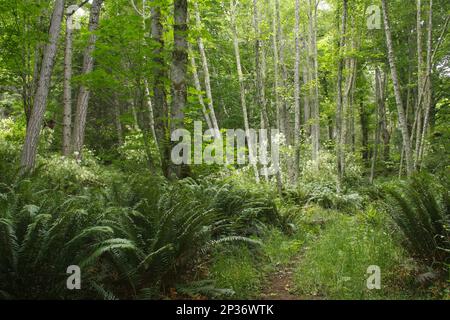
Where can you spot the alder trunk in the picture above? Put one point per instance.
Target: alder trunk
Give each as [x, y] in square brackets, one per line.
[34, 127]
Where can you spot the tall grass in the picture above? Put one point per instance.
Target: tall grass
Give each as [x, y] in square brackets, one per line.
[335, 266]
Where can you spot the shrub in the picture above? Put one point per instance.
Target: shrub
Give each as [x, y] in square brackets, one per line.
[133, 236]
[421, 209]
[246, 208]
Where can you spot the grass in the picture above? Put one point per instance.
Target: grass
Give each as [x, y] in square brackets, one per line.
[236, 268]
[280, 248]
[336, 265]
[245, 271]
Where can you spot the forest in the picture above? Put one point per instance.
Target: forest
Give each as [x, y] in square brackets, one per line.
[224, 150]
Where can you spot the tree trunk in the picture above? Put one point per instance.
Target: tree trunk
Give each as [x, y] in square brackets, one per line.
[67, 113]
[198, 87]
[400, 109]
[159, 74]
[297, 93]
[252, 155]
[378, 101]
[346, 105]
[84, 92]
[281, 114]
[117, 121]
[339, 110]
[383, 116]
[260, 89]
[306, 97]
[40, 100]
[315, 113]
[284, 76]
[364, 133]
[151, 113]
[207, 77]
[179, 73]
[278, 105]
[418, 117]
[428, 89]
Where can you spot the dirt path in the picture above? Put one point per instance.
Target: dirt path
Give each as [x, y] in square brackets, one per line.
[281, 284]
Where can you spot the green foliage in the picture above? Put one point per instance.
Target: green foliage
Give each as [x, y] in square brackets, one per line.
[280, 248]
[132, 235]
[235, 268]
[138, 235]
[204, 288]
[421, 209]
[335, 266]
[248, 208]
[318, 185]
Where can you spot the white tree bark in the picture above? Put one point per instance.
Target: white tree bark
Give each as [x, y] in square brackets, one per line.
[306, 96]
[315, 114]
[297, 123]
[198, 87]
[339, 109]
[252, 155]
[428, 88]
[259, 64]
[276, 75]
[397, 92]
[418, 110]
[207, 76]
[284, 74]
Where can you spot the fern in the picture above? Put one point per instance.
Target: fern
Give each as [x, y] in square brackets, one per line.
[419, 209]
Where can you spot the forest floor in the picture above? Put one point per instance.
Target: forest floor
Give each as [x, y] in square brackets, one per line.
[281, 286]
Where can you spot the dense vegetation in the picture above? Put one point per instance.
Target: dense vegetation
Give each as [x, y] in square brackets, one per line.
[358, 91]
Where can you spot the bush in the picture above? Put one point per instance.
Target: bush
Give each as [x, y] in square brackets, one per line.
[133, 236]
[248, 208]
[421, 209]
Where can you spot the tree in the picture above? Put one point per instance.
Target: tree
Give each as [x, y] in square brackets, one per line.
[84, 92]
[67, 113]
[297, 92]
[252, 155]
[340, 155]
[259, 67]
[428, 89]
[315, 112]
[281, 121]
[397, 92]
[420, 71]
[198, 87]
[40, 100]
[159, 74]
[201, 48]
[179, 71]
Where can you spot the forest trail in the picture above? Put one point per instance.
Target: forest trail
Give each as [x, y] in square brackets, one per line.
[280, 285]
